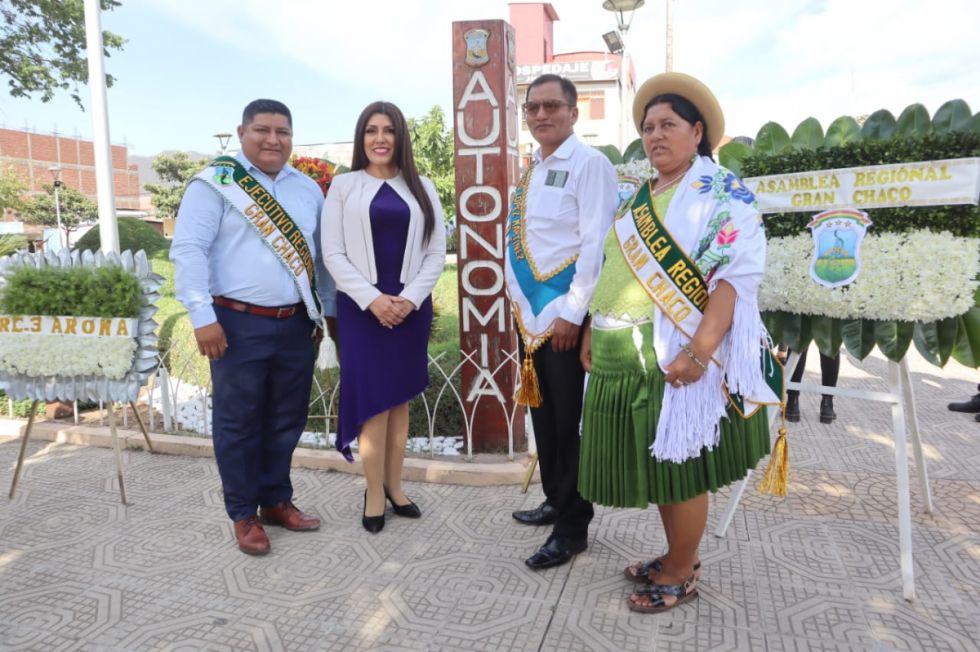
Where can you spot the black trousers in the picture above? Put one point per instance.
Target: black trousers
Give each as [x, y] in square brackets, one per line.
[556, 434]
[829, 371]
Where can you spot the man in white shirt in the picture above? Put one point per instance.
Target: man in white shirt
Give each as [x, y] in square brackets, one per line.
[568, 201]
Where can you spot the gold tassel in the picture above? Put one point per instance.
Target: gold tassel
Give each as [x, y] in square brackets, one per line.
[529, 394]
[776, 478]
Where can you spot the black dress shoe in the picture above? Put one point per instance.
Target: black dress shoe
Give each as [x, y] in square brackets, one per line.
[372, 524]
[555, 553]
[827, 414]
[973, 405]
[543, 514]
[977, 418]
[793, 407]
[411, 510]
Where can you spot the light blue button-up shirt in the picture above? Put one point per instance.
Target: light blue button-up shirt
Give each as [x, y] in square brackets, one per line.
[215, 252]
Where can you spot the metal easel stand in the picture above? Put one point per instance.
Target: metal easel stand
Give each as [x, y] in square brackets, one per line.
[23, 447]
[530, 472]
[115, 446]
[533, 462]
[902, 401]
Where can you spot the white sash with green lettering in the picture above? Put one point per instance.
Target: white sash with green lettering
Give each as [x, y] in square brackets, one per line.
[259, 208]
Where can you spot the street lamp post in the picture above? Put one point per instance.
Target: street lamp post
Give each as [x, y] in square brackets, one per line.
[222, 142]
[624, 10]
[56, 175]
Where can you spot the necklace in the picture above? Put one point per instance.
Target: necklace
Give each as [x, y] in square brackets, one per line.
[663, 187]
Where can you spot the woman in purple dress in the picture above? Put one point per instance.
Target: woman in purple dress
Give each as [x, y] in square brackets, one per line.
[384, 244]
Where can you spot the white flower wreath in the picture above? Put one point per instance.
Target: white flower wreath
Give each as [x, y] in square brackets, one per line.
[37, 355]
[49, 367]
[917, 276]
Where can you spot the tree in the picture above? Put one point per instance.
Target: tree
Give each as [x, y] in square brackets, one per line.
[12, 189]
[175, 170]
[75, 209]
[432, 146]
[42, 45]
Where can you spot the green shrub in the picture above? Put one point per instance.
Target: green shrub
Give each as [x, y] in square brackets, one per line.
[961, 220]
[11, 243]
[448, 418]
[134, 234]
[174, 328]
[75, 291]
[21, 409]
[952, 133]
[324, 382]
[445, 313]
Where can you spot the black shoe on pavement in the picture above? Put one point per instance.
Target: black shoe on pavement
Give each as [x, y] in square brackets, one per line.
[973, 405]
[977, 418]
[543, 514]
[372, 524]
[555, 553]
[827, 414]
[793, 407]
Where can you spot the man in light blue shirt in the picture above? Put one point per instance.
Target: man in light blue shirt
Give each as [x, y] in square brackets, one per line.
[251, 322]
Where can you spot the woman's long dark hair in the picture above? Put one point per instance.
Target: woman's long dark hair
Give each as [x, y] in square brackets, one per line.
[686, 110]
[403, 157]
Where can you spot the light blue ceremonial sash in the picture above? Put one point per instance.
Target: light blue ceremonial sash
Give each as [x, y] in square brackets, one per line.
[533, 293]
[538, 292]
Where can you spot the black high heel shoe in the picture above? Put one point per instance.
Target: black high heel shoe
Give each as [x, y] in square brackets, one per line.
[372, 524]
[411, 510]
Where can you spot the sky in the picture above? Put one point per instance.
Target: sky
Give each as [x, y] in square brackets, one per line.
[189, 66]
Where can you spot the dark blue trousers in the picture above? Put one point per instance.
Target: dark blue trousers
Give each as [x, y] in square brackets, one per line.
[261, 395]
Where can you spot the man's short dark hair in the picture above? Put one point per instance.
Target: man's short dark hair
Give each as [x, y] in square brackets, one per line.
[567, 87]
[265, 106]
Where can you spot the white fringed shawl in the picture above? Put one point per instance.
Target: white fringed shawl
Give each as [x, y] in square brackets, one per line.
[712, 217]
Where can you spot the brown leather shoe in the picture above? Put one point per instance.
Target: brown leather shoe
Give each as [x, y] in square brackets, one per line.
[288, 516]
[251, 536]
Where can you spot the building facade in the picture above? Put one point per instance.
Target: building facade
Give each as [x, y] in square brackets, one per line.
[32, 154]
[605, 87]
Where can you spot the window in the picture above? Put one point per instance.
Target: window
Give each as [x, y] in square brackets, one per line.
[592, 105]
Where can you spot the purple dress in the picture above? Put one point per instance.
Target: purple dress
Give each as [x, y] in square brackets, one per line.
[381, 368]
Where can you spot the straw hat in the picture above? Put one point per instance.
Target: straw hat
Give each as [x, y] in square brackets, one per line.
[689, 88]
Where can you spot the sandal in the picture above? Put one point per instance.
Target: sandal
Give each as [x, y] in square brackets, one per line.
[657, 592]
[639, 572]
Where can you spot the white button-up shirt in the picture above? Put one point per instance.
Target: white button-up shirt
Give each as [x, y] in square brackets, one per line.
[571, 201]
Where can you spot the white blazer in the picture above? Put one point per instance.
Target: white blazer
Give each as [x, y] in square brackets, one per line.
[348, 247]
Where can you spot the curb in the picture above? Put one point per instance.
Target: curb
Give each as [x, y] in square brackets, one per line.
[484, 470]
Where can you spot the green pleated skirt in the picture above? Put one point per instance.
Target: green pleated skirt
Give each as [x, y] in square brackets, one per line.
[619, 423]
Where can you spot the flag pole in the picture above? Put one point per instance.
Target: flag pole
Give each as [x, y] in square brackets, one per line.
[108, 228]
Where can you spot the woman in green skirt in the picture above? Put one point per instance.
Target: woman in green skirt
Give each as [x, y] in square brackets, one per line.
[676, 349]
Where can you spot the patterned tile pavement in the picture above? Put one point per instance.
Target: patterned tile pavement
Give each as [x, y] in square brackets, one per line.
[817, 570]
